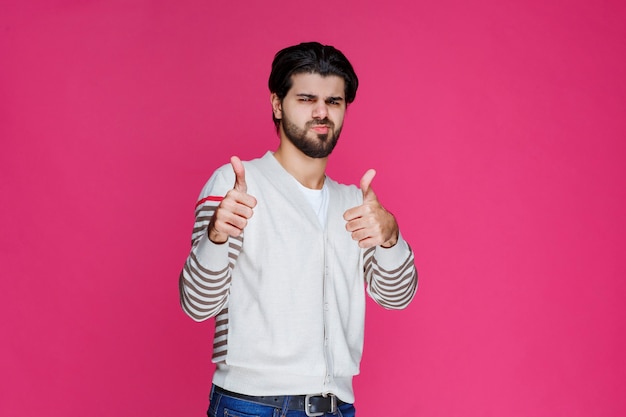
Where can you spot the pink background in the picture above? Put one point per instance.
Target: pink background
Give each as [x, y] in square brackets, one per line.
[498, 131]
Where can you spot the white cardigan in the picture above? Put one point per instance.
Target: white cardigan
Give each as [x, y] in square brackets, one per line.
[288, 296]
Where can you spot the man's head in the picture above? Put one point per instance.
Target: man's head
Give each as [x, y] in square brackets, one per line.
[325, 81]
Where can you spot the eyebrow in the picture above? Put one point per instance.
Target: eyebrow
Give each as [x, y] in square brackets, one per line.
[313, 96]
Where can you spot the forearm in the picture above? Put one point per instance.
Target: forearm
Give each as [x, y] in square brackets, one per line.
[391, 275]
[204, 281]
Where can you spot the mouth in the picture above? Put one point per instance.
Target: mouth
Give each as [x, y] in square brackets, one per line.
[321, 129]
[320, 126]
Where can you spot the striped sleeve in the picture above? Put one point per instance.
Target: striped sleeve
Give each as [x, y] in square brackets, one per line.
[390, 275]
[204, 282]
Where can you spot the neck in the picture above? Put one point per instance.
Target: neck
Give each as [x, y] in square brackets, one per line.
[309, 172]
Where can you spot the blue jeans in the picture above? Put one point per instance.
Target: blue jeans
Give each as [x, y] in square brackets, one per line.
[223, 405]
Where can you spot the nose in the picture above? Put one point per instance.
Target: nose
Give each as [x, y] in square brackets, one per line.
[320, 111]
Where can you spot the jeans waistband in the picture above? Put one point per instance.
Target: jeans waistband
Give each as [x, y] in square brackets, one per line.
[313, 405]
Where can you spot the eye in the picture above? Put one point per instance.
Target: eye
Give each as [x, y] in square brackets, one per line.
[306, 98]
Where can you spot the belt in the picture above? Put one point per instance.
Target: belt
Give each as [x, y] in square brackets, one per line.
[312, 405]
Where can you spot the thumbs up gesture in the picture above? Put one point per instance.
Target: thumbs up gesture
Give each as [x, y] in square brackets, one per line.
[233, 212]
[369, 223]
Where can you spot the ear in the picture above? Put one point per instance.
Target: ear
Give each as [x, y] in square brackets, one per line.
[277, 106]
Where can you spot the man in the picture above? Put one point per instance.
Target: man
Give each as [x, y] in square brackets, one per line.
[281, 255]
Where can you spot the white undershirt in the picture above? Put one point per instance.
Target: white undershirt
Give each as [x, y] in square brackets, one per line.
[318, 199]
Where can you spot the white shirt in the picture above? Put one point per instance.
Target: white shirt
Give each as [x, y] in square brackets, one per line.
[318, 199]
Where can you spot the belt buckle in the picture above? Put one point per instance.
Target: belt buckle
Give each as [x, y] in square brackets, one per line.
[307, 405]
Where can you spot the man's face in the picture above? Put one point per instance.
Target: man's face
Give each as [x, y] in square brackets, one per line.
[312, 113]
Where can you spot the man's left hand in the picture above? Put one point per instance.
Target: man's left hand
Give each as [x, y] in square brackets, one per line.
[369, 223]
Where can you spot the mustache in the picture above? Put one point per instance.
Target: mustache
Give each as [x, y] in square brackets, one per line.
[322, 122]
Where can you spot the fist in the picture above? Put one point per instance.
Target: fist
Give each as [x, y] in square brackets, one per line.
[235, 209]
[370, 224]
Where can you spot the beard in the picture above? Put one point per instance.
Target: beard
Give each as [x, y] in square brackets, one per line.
[318, 146]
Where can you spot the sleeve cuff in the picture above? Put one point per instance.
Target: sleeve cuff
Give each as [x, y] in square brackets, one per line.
[211, 255]
[391, 258]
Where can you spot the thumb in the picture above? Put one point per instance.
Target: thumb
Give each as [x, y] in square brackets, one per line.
[240, 174]
[366, 181]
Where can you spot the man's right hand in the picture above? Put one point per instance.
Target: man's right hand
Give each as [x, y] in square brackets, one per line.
[233, 212]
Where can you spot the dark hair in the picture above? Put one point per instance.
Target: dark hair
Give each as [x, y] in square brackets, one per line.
[314, 58]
